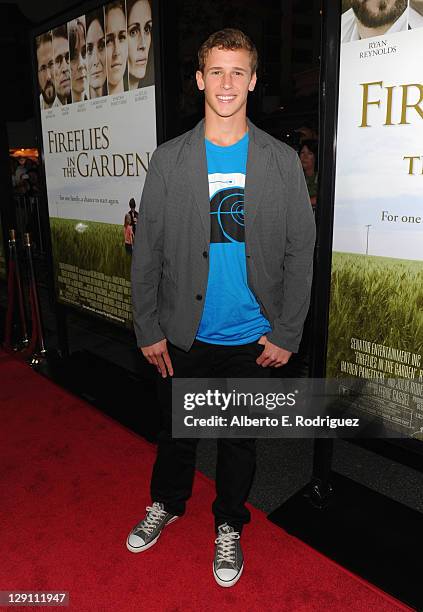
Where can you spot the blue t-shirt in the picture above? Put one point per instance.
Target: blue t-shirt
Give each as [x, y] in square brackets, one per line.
[231, 312]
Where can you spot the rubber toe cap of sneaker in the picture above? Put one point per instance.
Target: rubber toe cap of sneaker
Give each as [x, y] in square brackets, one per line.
[135, 541]
[226, 574]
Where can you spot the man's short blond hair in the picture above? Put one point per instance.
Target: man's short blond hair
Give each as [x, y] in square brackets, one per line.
[229, 39]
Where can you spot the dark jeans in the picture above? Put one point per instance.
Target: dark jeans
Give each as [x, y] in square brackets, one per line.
[173, 472]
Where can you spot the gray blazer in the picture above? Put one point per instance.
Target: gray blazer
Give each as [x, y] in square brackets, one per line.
[170, 259]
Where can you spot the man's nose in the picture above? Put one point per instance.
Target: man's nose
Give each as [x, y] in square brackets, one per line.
[227, 81]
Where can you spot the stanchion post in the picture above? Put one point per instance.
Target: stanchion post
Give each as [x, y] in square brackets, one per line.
[18, 284]
[37, 358]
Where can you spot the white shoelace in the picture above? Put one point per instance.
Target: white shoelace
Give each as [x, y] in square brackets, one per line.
[226, 546]
[154, 515]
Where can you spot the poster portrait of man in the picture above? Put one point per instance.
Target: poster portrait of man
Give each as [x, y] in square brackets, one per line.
[369, 18]
[45, 71]
[61, 64]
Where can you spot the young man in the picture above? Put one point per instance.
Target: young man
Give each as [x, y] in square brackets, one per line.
[221, 280]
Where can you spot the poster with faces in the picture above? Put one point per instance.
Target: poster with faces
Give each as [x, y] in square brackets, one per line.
[96, 91]
[375, 319]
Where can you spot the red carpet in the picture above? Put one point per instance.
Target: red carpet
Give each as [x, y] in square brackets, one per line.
[74, 482]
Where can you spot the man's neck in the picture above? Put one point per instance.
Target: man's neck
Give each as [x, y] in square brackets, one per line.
[224, 131]
[364, 32]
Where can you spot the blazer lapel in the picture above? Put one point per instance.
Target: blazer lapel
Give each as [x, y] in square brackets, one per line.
[197, 175]
[257, 171]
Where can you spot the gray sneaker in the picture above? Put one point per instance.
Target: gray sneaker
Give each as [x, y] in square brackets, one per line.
[228, 558]
[147, 532]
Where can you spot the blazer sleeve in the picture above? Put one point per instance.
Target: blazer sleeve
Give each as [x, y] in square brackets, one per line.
[147, 257]
[298, 262]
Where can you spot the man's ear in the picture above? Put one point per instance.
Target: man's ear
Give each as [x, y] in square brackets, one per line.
[200, 81]
[252, 82]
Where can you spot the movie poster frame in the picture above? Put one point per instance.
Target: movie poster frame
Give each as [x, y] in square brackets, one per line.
[62, 309]
[406, 451]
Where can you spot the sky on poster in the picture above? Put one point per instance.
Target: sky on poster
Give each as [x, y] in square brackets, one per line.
[371, 174]
[131, 129]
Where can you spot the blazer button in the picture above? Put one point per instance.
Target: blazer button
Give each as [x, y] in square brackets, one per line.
[205, 254]
[199, 297]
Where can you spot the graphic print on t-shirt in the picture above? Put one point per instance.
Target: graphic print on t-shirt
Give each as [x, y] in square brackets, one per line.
[231, 314]
[227, 207]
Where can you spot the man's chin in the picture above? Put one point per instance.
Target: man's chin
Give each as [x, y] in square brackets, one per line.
[370, 19]
[64, 98]
[223, 111]
[48, 99]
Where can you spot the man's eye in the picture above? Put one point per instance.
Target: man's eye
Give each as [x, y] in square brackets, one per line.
[90, 49]
[122, 36]
[134, 31]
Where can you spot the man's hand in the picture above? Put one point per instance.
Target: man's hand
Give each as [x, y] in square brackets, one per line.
[272, 356]
[157, 354]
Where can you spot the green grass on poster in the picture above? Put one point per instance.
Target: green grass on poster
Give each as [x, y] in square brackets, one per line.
[379, 299]
[98, 247]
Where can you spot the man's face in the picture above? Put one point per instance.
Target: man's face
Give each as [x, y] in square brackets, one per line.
[378, 13]
[46, 72]
[61, 67]
[226, 81]
[116, 45]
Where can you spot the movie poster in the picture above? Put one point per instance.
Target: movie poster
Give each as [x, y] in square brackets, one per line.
[376, 305]
[98, 118]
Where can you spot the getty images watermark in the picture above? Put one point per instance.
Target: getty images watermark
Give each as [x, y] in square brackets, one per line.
[295, 408]
[253, 401]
